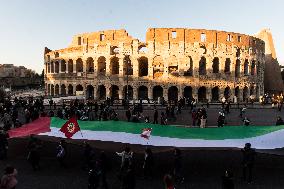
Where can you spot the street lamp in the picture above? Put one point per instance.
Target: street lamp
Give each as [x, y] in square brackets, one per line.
[127, 62]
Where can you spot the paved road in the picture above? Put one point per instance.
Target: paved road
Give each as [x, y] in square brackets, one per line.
[202, 168]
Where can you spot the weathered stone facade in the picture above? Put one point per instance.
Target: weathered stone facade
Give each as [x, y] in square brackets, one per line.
[173, 62]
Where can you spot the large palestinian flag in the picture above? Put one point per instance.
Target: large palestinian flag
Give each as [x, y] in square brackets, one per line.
[261, 137]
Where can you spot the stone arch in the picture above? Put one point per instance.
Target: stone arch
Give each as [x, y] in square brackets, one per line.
[246, 66]
[114, 92]
[48, 89]
[70, 89]
[189, 70]
[173, 94]
[56, 90]
[237, 68]
[101, 93]
[90, 65]
[227, 92]
[237, 92]
[215, 65]
[157, 92]
[245, 93]
[130, 92]
[70, 66]
[227, 68]
[90, 92]
[215, 94]
[52, 67]
[79, 65]
[173, 65]
[127, 66]
[52, 90]
[63, 90]
[142, 49]
[202, 94]
[252, 68]
[101, 65]
[187, 92]
[79, 88]
[63, 65]
[158, 66]
[202, 66]
[143, 66]
[143, 92]
[56, 70]
[114, 66]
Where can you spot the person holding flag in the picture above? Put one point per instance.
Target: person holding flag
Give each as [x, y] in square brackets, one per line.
[70, 127]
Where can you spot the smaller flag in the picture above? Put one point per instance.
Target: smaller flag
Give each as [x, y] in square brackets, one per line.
[70, 127]
[146, 133]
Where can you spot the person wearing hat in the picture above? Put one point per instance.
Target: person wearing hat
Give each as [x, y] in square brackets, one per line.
[248, 162]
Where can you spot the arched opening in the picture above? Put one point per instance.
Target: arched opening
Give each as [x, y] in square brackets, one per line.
[52, 67]
[101, 93]
[189, 71]
[70, 90]
[187, 93]
[102, 65]
[158, 67]
[157, 92]
[56, 90]
[48, 89]
[142, 49]
[215, 94]
[130, 92]
[56, 67]
[143, 93]
[79, 88]
[252, 68]
[52, 90]
[237, 68]
[114, 89]
[63, 65]
[245, 93]
[173, 66]
[246, 64]
[79, 65]
[70, 66]
[127, 66]
[215, 65]
[227, 65]
[202, 66]
[237, 92]
[63, 90]
[227, 92]
[143, 66]
[90, 65]
[252, 91]
[48, 67]
[173, 94]
[114, 66]
[114, 50]
[90, 92]
[202, 94]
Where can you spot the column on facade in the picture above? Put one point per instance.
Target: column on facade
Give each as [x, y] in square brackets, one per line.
[135, 92]
[150, 68]
[180, 91]
[134, 62]
[209, 94]
[108, 66]
[165, 92]
[59, 65]
[240, 98]
[150, 92]
[107, 90]
[84, 66]
[195, 92]
[66, 67]
[221, 94]
[120, 92]
[121, 63]
[74, 66]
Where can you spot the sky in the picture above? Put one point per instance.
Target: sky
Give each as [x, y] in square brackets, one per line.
[27, 26]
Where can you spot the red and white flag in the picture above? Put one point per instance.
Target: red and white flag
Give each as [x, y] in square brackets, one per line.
[146, 133]
[70, 127]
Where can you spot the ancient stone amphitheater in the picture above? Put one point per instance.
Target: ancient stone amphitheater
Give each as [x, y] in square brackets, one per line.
[172, 63]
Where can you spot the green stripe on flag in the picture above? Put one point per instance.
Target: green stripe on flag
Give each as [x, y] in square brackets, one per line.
[234, 132]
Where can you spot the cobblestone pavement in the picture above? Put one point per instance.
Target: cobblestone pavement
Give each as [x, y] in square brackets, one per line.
[203, 168]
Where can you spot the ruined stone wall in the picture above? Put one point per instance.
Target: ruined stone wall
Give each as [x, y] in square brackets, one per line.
[173, 62]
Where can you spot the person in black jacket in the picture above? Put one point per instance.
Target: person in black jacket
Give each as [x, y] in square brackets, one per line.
[148, 163]
[155, 117]
[3, 144]
[128, 115]
[248, 162]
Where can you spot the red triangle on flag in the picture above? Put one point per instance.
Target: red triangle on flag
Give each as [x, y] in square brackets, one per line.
[146, 133]
[70, 127]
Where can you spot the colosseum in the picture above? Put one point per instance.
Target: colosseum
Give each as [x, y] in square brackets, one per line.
[206, 65]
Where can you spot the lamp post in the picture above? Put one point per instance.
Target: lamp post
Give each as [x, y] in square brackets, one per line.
[127, 62]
